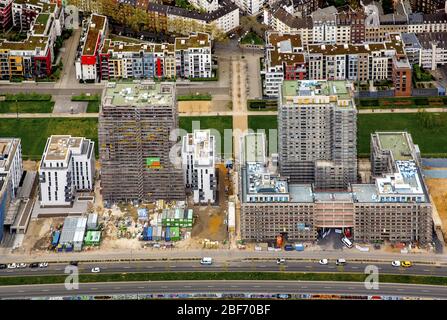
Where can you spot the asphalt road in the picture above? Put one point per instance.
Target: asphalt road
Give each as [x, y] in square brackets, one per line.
[233, 266]
[268, 287]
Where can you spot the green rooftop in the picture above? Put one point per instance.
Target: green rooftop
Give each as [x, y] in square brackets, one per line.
[316, 88]
[397, 143]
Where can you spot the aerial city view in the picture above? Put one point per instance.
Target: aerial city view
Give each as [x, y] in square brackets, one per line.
[223, 150]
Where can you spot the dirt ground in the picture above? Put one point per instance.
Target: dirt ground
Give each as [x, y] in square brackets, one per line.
[210, 220]
[29, 165]
[194, 106]
[438, 191]
[38, 236]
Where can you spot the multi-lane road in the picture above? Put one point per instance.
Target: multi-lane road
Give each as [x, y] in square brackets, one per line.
[230, 266]
[266, 287]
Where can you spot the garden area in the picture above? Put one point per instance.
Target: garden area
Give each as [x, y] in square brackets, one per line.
[262, 105]
[252, 38]
[35, 131]
[26, 103]
[421, 75]
[195, 97]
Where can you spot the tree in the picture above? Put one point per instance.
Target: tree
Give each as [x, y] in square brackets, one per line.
[387, 6]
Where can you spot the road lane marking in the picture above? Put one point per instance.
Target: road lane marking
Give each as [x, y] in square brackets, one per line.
[309, 267]
[426, 270]
[210, 286]
[280, 286]
[354, 267]
[256, 286]
[303, 287]
[425, 290]
[126, 267]
[45, 290]
[351, 288]
[186, 286]
[140, 287]
[235, 286]
[327, 287]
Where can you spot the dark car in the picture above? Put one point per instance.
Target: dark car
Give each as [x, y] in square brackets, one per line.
[34, 265]
[288, 247]
[3, 266]
[73, 263]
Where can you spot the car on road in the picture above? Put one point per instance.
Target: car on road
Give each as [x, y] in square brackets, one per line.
[34, 265]
[43, 264]
[12, 266]
[340, 262]
[280, 261]
[406, 264]
[73, 263]
[21, 265]
[395, 263]
[206, 261]
[323, 261]
[3, 266]
[96, 270]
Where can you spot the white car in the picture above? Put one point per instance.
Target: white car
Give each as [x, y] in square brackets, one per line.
[96, 270]
[280, 261]
[21, 265]
[323, 261]
[12, 266]
[43, 264]
[206, 261]
[395, 263]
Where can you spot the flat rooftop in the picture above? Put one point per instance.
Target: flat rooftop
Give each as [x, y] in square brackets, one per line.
[139, 94]
[59, 146]
[204, 148]
[260, 180]
[301, 193]
[8, 148]
[312, 88]
[397, 143]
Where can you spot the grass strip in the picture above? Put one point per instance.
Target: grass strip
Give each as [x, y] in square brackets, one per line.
[195, 276]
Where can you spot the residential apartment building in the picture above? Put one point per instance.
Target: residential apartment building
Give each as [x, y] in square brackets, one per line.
[5, 15]
[174, 19]
[33, 57]
[317, 133]
[92, 38]
[198, 161]
[284, 60]
[433, 49]
[135, 142]
[188, 57]
[67, 166]
[207, 5]
[251, 7]
[427, 6]
[394, 208]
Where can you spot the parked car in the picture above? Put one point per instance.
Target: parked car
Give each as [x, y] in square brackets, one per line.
[43, 264]
[34, 265]
[73, 263]
[12, 266]
[346, 242]
[280, 261]
[406, 264]
[22, 265]
[3, 266]
[340, 262]
[288, 247]
[323, 261]
[395, 263]
[96, 270]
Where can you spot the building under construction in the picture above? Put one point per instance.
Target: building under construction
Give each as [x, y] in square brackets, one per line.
[135, 126]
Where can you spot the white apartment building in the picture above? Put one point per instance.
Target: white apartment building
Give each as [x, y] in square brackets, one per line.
[11, 161]
[251, 7]
[207, 5]
[325, 25]
[67, 166]
[198, 159]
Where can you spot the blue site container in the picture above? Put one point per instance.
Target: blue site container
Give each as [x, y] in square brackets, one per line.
[56, 236]
[299, 247]
[145, 233]
[168, 234]
[149, 234]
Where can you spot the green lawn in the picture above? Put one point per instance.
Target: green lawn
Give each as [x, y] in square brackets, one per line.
[218, 123]
[26, 106]
[194, 276]
[93, 102]
[34, 132]
[431, 141]
[195, 97]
